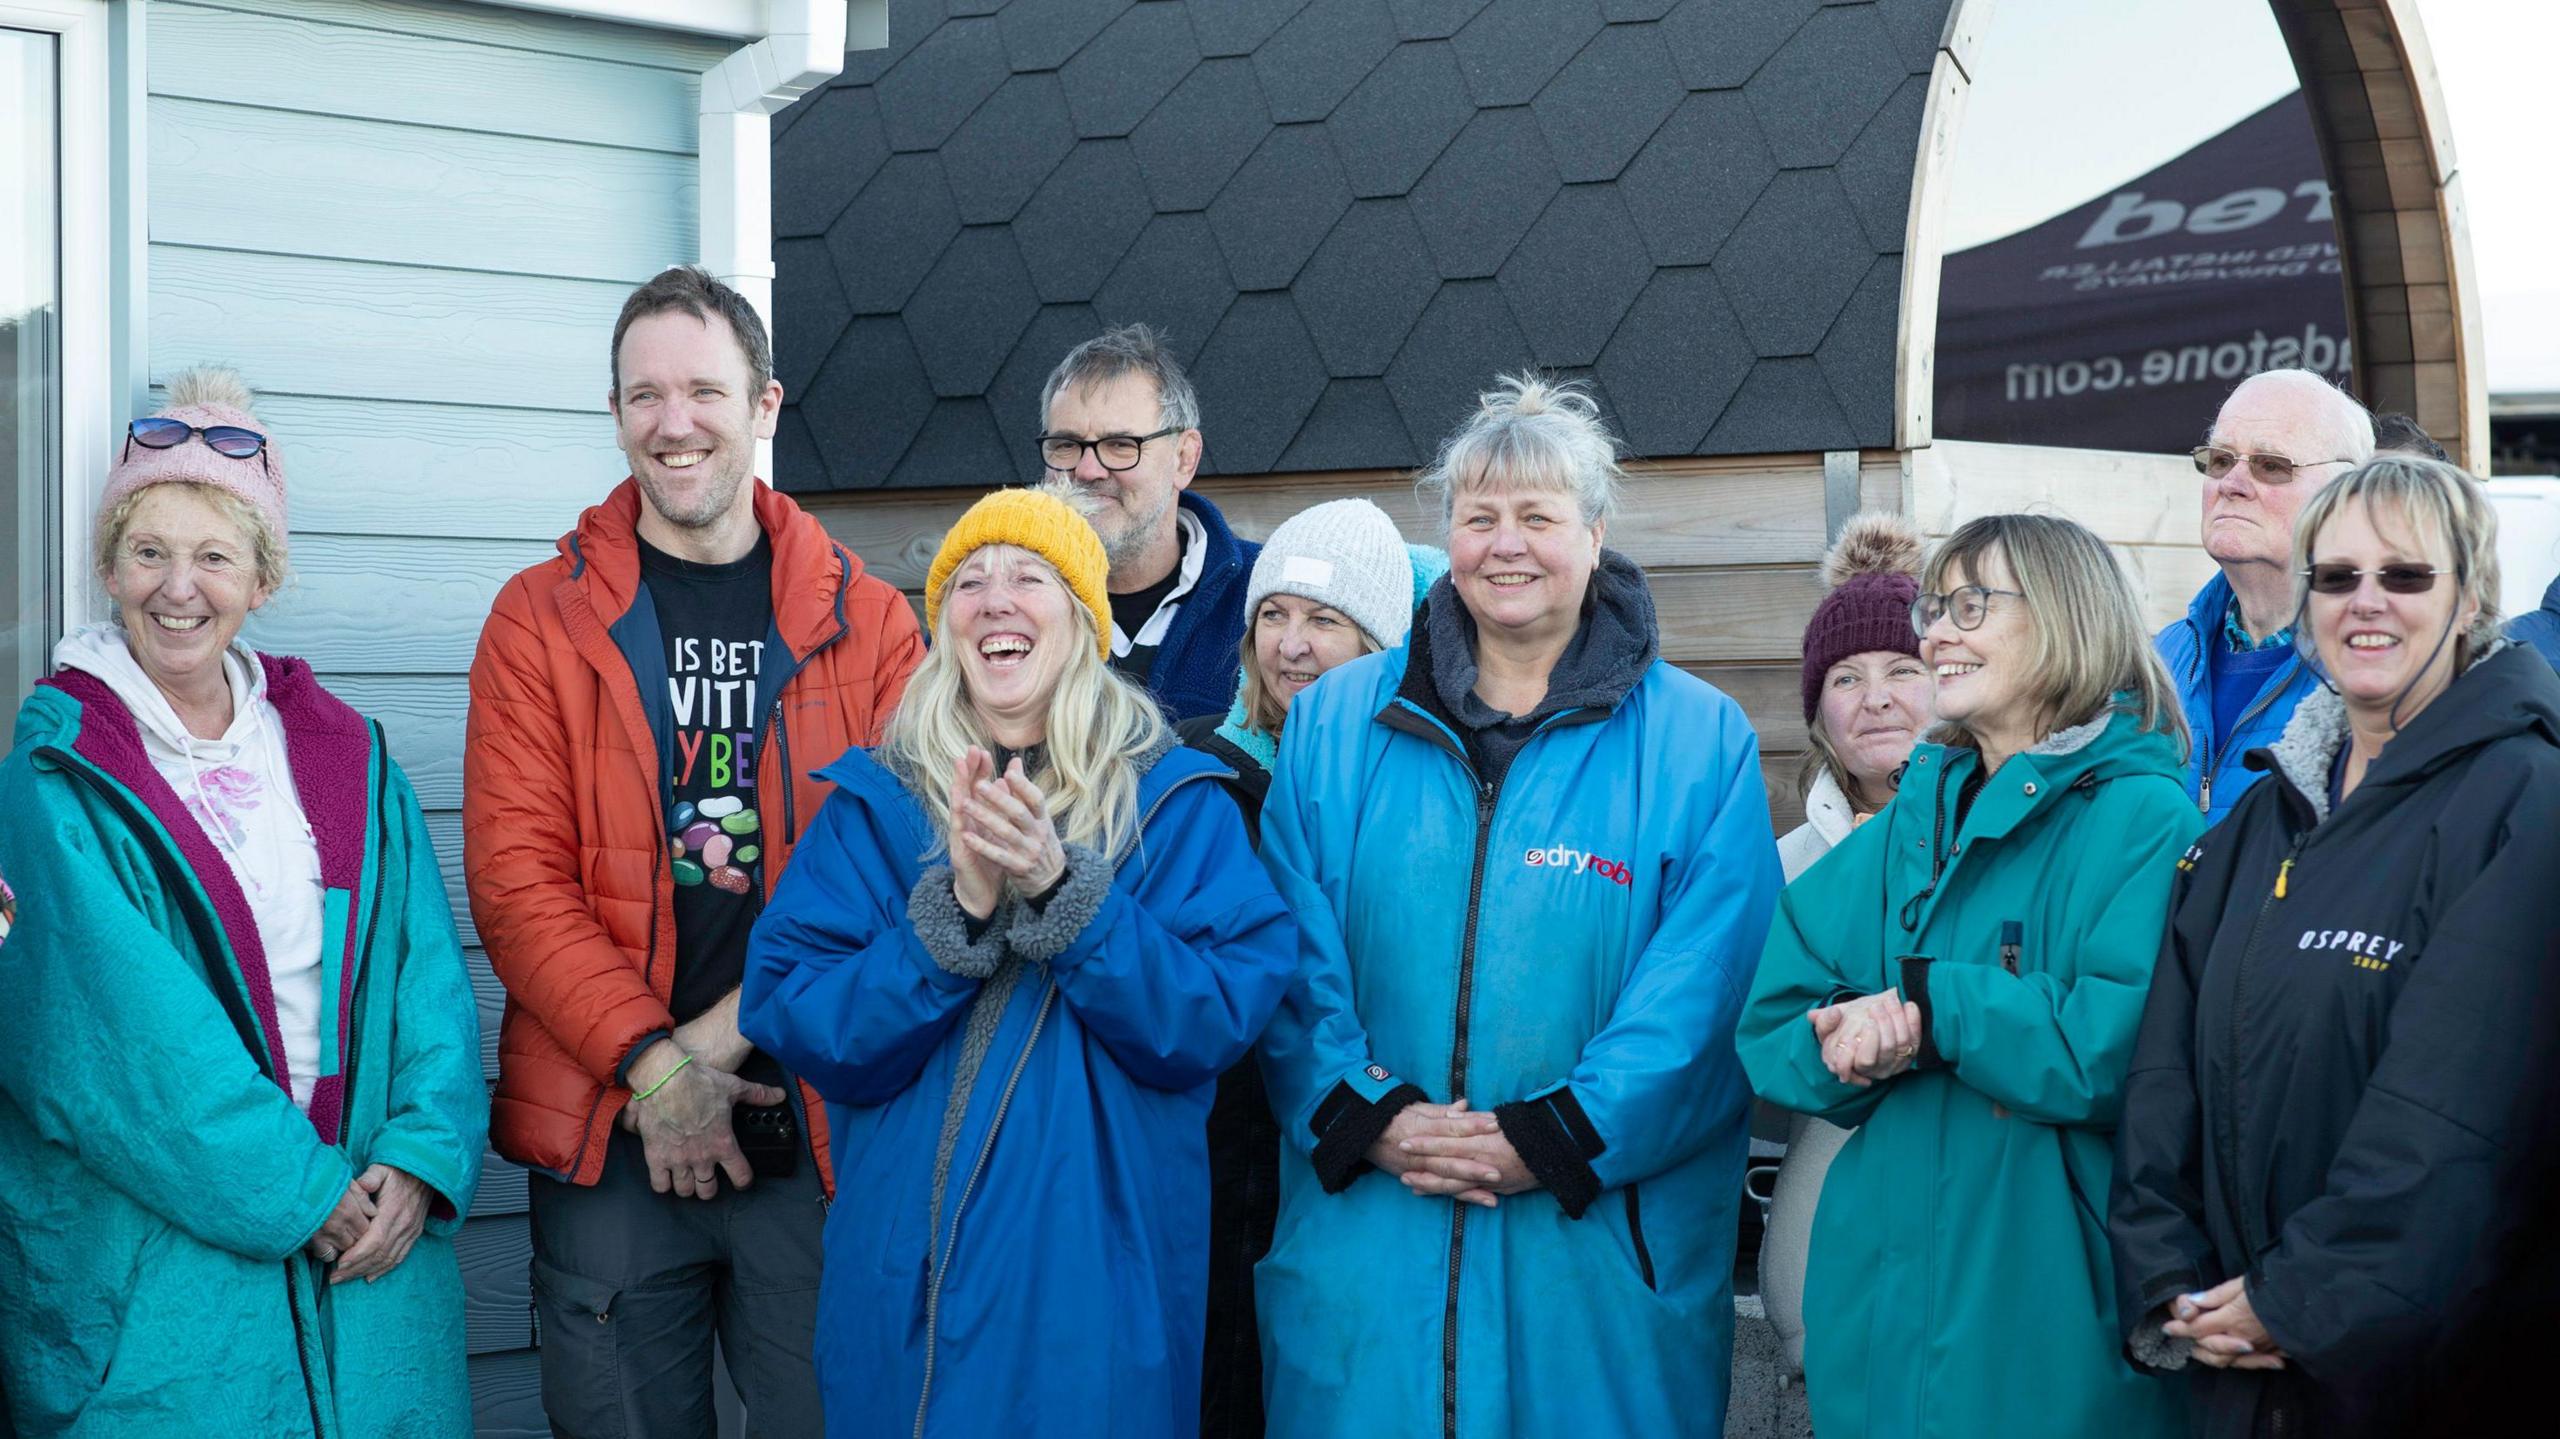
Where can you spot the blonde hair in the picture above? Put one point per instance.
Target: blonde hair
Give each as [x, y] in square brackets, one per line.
[266, 548]
[2427, 495]
[1263, 710]
[1529, 433]
[2089, 643]
[1099, 724]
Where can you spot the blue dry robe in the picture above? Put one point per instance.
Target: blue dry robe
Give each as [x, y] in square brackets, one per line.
[1577, 947]
[1062, 1198]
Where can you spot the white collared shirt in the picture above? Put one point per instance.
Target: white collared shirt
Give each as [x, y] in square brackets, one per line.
[1195, 558]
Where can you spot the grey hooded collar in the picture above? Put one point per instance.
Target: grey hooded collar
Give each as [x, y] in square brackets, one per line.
[2075, 738]
[2309, 746]
[2070, 740]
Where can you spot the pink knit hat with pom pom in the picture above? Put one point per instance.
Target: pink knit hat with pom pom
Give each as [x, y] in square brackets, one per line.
[203, 397]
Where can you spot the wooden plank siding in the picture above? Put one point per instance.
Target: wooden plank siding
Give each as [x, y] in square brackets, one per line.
[2149, 507]
[1731, 546]
[410, 225]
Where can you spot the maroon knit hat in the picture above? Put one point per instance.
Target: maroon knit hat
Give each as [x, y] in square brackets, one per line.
[1874, 574]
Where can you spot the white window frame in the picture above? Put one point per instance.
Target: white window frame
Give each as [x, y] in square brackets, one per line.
[88, 400]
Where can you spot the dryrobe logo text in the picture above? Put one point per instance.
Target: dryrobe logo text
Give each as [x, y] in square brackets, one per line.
[1556, 856]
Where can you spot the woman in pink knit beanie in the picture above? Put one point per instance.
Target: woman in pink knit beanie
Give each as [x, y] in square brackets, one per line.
[243, 1103]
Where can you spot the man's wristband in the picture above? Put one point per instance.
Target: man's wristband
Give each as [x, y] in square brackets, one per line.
[662, 1079]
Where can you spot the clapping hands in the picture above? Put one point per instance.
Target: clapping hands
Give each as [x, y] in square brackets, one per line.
[1000, 831]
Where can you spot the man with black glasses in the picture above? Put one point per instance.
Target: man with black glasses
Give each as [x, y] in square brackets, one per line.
[2281, 436]
[1120, 439]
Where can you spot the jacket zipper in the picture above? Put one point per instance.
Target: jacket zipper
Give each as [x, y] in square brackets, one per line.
[1635, 1231]
[987, 1147]
[1486, 796]
[2239, 1009]
[175, 875]
[2204, 785]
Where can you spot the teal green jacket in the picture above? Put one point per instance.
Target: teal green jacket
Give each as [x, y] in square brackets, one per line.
[1960, 1282]
[157, 1183]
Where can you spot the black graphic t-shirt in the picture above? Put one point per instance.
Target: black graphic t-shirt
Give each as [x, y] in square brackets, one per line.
[715, 619]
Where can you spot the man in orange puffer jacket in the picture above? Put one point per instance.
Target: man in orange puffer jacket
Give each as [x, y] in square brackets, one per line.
[647, 713]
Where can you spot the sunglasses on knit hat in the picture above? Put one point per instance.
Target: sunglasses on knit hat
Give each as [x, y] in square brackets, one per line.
[163, 433]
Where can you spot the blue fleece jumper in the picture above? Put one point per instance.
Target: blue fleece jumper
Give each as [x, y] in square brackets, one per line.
[2193, 649]
[1196, 667]
[2540, 628]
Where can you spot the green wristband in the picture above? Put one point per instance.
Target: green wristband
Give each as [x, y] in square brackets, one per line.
[662, 1079]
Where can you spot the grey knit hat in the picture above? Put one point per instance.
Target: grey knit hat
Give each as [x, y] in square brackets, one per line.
[1342, 553]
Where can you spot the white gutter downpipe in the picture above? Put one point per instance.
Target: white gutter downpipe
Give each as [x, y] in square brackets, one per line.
[803, 45]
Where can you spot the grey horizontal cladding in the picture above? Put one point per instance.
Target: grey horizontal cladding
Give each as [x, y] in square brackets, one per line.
[518, 29]
[1350, 215]
[367, 331]
[393, 468]
[286, 62]
[359, 604]
[506, 1396]
[410, 195]
[496, 1255]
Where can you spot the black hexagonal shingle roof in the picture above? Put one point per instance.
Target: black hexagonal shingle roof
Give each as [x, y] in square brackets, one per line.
[1349, 215]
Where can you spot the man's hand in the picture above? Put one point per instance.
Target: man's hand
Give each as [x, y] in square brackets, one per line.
[345, 1225]
[684, 1125]
[400, 1215]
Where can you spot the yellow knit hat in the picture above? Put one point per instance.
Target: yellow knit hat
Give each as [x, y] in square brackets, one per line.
[1036, 521]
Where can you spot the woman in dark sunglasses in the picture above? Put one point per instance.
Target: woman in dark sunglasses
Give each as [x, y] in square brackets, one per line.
[2332, 1147]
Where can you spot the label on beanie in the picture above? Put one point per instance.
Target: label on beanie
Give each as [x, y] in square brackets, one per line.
[1301, 570]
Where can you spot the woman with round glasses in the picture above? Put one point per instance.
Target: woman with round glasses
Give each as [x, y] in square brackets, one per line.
[243, 1068]
[1959, 982]
[2331, 1144]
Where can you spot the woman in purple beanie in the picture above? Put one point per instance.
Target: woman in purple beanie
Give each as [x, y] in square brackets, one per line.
[1866, 700]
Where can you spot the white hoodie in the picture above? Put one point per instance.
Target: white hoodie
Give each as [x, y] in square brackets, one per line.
[239, 789]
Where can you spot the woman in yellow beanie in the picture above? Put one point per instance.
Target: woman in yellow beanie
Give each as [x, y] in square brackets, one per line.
[1019, 945]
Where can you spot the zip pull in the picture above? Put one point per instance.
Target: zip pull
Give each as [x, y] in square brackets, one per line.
[2012, 934]
[2283, 871]
[2204, 792]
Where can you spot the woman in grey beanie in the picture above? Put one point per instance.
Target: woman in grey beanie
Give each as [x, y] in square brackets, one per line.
[1334, 582]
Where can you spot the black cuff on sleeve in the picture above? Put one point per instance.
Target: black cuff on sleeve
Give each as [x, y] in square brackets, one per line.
[1555, 1139]
[1043, 933]
[1346, 1125]
[943, 927]
[1915, 988]
[640, 1046]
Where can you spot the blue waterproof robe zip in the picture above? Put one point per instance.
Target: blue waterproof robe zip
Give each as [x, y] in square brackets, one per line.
[2215, 776]
[1047, 1276]
[1577, 943]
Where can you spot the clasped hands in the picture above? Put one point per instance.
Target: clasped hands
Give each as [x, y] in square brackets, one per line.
[375, 1224]
[1866, 1039]
[1000, 832]
[1448, 1151]
[2224, 1328]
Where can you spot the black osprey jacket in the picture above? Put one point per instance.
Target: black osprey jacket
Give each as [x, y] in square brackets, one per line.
[2341, 1087]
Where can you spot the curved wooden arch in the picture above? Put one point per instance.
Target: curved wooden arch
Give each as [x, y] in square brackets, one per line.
[2387, 145]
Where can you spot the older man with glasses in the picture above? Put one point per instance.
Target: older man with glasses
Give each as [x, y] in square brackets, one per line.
[2281, 436]
[1120, 440]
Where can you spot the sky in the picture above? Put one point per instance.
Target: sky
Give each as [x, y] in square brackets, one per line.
[2135, 84]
